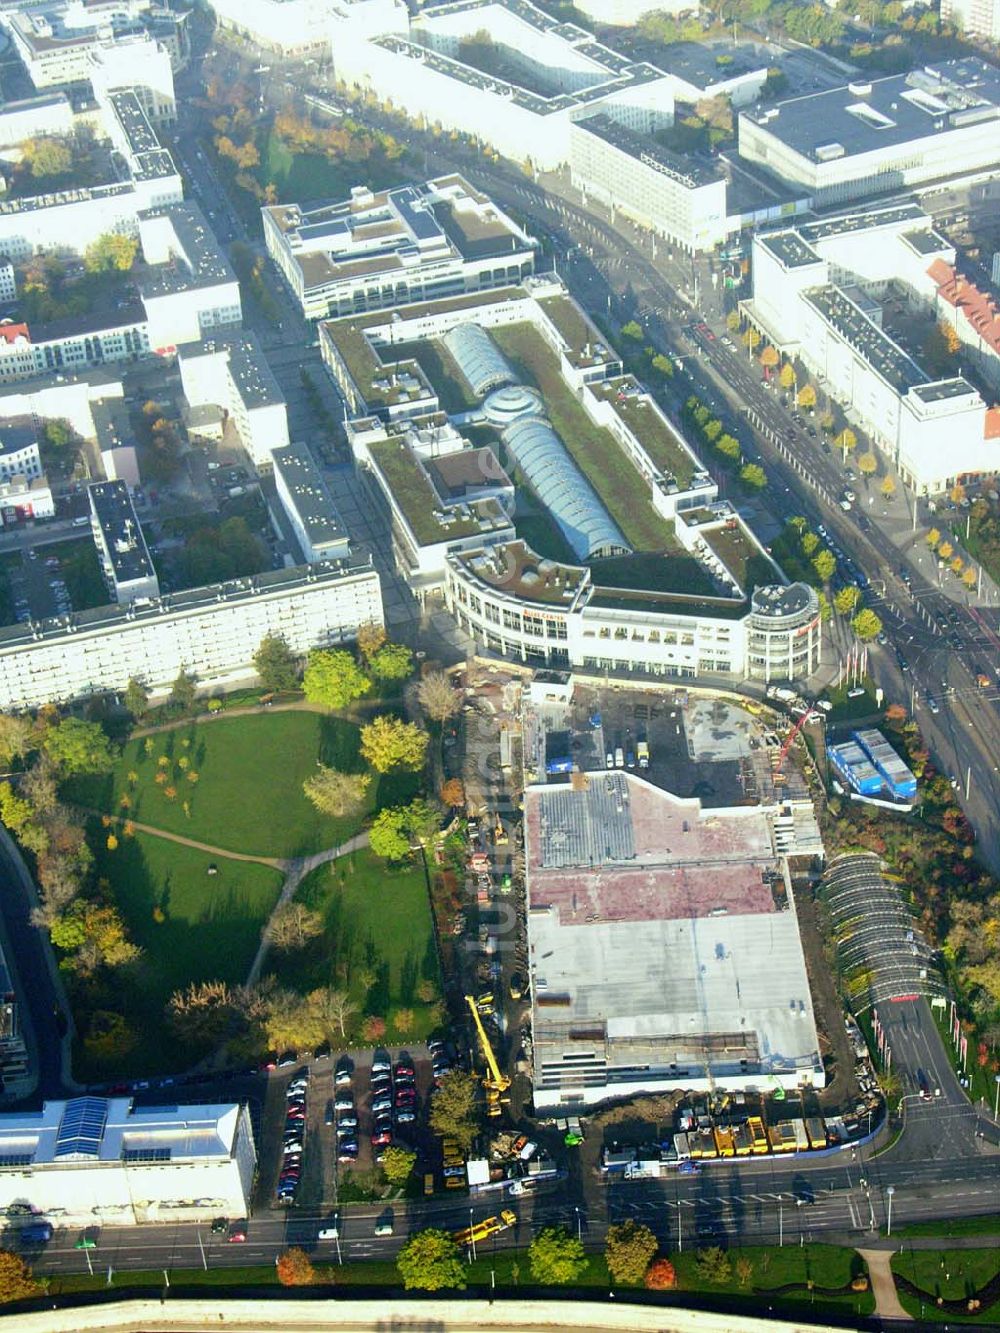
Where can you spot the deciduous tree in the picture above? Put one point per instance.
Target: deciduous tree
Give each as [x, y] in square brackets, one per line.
[393, 661]
[807, 396]
[295, 1268]
[183, 691]
[866, 625]
[389, 836]
[662, 1276]
[888, 486]
[453, 1108]
[337, 794]
[786, 375]
[292, 926]
[136, 698]
[629, 1250]
[867, 464]
[371, 637]
[333, 678]
[825, 564]
[753, 476]
[430, 1261]
[203, 1014]
[556, 1257]
[276, 664]
[769, 357]
[438, 697]
[17, 1282]
[846, 599]
[76, 746]
[712, 1265]
[17, 737]
[398, 1164]
[111, 252]
[391, 745]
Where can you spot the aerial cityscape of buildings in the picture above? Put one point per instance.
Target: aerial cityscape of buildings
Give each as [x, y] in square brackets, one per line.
[559, 388]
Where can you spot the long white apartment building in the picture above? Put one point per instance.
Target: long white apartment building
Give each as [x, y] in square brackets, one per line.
[976, 18]
[809, 288]
[389, 247]
[69, 398]
[74, 218]
[676, 197]
[449, 509]
[136, 61]
[19, 451]
[211, 632]
[544, 75]
[880, 136]
[230, 372]
[94, 1160]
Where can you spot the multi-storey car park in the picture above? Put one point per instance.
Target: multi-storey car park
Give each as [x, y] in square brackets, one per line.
[388, 247]
[642, 567]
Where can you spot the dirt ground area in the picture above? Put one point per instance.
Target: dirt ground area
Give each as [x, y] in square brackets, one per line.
[842, 1087]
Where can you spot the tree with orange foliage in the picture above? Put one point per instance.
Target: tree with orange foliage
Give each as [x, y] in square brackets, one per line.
[662, 1276]
[295, 1268]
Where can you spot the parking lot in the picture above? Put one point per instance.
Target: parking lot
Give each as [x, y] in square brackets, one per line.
[326, 1123]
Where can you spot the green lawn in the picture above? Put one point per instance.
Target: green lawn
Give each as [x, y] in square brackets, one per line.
[826, 1266]
[954, 1275]
[211, 930]
[249, 796]
[597, 453]
[309, 177]
[378, 920]
[511, 1269]
[987, 1225]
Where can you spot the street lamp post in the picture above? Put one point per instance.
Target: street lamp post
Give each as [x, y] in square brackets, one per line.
[579, 1224]
[781, 1224]
[996, 1099]
[472, 1237]
[890, 1190]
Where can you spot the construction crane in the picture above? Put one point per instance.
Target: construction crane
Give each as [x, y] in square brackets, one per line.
[790, 740]
[495, 1081]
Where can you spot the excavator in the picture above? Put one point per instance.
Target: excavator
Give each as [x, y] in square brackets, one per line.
[495, 1081]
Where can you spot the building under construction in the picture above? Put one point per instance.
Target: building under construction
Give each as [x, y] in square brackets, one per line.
[664, 944]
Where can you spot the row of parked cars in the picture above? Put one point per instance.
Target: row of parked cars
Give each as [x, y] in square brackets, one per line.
[294, 1136]
[393, 1089]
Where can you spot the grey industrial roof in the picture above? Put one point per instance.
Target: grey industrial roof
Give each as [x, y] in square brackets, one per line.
[586, 830]
[197, 258]
[563, 489]
[123, 539]
[478, 358]
[789, 248]
[867, 117]
[884, 355]
[698, 62]
[17, 433]
[309, 493]
[862, 219]
[249, 370]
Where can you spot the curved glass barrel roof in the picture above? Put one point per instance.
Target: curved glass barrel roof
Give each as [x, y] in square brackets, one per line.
[478, 358]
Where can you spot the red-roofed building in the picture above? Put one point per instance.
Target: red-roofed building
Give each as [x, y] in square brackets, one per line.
[973, 314]
[14, 333]
[17, 356]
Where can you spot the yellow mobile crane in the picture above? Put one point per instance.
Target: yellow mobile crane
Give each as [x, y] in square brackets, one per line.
[495, 1081]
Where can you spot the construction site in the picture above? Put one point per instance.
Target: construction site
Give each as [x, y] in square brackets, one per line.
[664, 947]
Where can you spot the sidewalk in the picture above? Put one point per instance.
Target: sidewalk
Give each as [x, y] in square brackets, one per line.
[887, 1304]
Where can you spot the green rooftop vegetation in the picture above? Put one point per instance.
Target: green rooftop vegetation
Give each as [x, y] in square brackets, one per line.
[654, 434]
[737, 551]
[675, 572]
[599, 456]
[412, 490]
[444, 376]
[566, 315]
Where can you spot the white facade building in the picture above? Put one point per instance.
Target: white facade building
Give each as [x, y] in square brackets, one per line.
[94, 1160]
[715, 69]
[19, 453]
[554, 73]
[975, 18]
[22, 498]
[73, 219]
[287, 27]
[391, 247]
[138, 62]
[192, 291]
[462, 547]
[34, 117]
[231, 373]
[674, 196]
[210, 632]
[68, 398]
[802, 302]
[8, 281]
[879, 136]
